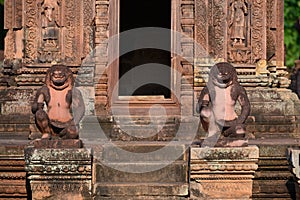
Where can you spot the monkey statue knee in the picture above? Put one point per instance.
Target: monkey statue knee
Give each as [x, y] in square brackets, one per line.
[65, 106]
[216, 104]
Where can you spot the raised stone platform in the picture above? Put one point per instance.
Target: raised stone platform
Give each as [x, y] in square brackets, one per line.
[223, 173]
[59, 173]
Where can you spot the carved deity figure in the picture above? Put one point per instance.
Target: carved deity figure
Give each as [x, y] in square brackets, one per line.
[217, 101]
[65, 106]
[237, 21]
[50, 24]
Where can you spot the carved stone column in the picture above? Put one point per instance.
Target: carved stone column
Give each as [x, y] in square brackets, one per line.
[223, 173]
[63, 172]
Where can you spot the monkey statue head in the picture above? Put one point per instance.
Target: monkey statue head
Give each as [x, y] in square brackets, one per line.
[59, 77]
[223, 75]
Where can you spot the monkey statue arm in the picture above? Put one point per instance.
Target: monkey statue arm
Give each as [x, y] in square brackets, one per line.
[245, 105]
[78, 107]
[201, 100]
[41, 96]
[203, 108]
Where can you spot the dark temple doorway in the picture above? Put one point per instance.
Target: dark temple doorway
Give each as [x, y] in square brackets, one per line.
[145, 70]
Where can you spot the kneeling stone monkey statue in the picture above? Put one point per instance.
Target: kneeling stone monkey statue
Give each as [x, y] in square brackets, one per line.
[216, 106]
[65, 106]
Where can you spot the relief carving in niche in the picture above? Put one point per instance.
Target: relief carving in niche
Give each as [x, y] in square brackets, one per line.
[50, 31]
[239, 29]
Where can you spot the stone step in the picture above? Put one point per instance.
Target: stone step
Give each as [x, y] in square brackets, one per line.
[140, 189]
[142, 119]
[143, 152]
[143, 169]
[140, 198]
[147, 133]
[142, 172]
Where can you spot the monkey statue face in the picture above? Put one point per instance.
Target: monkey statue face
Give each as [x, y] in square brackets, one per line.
[223, 74]
[59, 77]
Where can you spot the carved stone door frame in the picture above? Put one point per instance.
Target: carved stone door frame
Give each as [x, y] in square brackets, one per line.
[113, 52]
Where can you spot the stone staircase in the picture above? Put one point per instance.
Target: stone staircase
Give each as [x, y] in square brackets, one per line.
[141, 171]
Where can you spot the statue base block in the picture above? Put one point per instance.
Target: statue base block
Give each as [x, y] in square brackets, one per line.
[57, 144]
[57, 173]
[223, 173]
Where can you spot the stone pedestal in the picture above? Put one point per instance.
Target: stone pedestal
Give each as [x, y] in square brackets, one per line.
[223, 173]
[294, 160]
[59, 173]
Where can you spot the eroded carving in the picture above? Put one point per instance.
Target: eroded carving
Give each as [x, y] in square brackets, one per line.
[50, 25]
[218, 23]
[237, 22]
[65, 106]
[216, 106]
[31, 37]
[258, 30]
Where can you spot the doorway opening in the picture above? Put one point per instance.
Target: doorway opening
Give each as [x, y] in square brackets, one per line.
[145, 71]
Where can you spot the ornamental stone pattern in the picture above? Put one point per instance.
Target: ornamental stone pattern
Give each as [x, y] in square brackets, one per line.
[222, 173]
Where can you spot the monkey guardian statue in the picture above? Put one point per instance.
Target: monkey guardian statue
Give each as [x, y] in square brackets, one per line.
[216, 106]
[65, 107]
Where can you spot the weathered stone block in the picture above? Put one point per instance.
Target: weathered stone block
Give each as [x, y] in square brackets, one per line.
[135, 190]
[174, 172]
[223, 173]
[59, 173]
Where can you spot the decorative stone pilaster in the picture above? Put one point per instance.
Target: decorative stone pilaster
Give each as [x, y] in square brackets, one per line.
[223, 173]
[294, 161]
[59, 173]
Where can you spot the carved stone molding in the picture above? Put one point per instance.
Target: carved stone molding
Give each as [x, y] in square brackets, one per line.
[58, 32]
[201, 27]
[258, 30]
[31, 29]
[257, 36]
[12, 170]
[59, 173]
[223, 173]
[218, 29]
